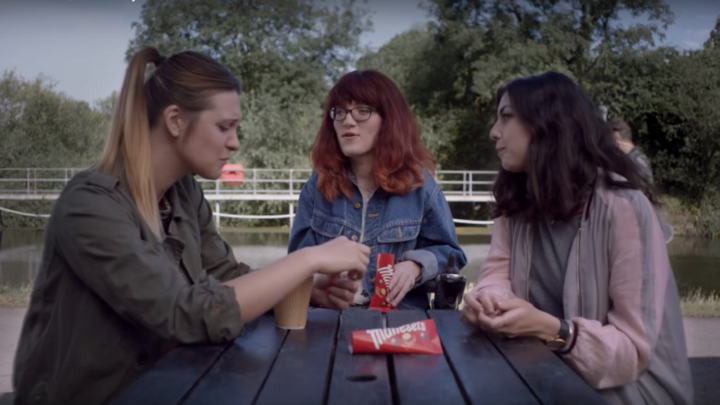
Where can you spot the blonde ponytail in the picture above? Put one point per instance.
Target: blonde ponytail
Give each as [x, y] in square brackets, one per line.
[186, 79]
[127, 152]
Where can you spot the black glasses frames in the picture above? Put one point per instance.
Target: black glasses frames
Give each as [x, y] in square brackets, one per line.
[359, 114]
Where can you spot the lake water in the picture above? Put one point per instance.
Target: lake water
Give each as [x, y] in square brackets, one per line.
[696, 262]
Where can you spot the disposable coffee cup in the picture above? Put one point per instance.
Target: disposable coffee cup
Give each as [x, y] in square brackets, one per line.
[291, 312]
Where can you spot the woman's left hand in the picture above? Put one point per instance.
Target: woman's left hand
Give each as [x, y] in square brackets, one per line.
[403, 281]
[520, 318]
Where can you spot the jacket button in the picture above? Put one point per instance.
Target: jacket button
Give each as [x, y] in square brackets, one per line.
[142, 358]
[357, 206]
[354, 238]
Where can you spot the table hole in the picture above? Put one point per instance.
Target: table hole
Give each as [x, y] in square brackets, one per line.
[362, 378]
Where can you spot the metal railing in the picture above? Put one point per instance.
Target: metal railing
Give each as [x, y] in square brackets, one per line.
[218, 215]
[258, 184]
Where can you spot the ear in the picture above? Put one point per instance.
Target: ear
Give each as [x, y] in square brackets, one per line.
[174, 120]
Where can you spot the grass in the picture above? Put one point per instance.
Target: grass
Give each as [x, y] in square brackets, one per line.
[680, 218]
[697, 304]
[474, 230]
[14, 296]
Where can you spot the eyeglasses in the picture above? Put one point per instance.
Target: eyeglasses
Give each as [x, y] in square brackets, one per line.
[358, 113]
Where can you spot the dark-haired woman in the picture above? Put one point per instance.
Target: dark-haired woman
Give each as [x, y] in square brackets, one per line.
[578, 256]
[373, 183]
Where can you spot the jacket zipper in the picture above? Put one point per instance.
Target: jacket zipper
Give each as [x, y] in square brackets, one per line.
[528, 249]
[585, 216]
[362, 222]
[364, 213]
[577, 270]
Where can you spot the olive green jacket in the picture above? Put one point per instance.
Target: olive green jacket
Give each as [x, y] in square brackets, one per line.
[110, 299]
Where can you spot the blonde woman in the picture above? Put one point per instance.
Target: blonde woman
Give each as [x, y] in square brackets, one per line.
[132, 262]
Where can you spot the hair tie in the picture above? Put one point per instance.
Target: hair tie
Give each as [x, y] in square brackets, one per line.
[160, 61]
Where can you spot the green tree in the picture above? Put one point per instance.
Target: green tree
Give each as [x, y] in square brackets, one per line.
[680, 125]
[41, 128]
[472, 47]
[403, 59]
[714, 41]
[285, 53]
[484, 44]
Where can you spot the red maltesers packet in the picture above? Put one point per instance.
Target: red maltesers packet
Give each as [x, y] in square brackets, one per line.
[384, 274]
[417, 337]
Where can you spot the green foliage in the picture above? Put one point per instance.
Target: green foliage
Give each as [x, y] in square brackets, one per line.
[287, 53]
[709, 218]
[288, 46]
[453, 69]
[41, 128]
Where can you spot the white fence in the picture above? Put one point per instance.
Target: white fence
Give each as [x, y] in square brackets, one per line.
[256, 185]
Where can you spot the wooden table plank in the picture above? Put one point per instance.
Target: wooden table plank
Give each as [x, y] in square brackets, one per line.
[360, 379]
[302, 368]
[421, 378]
[484, 374]
[552, 381]
[172, 377]
[236, 378]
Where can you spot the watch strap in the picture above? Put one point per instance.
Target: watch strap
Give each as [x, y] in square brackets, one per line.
[564, 332]
[573, 339]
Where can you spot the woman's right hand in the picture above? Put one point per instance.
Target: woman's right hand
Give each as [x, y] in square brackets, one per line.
[341, 255]
[484, 300]
[333, 292]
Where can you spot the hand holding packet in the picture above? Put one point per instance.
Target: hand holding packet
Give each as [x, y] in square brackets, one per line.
[383, 276]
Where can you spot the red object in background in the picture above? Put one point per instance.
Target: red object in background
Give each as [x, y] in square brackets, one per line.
[385, 269]
[417, 337]
[233, 175]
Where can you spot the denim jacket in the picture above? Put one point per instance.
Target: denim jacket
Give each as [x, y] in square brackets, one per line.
[417, 226]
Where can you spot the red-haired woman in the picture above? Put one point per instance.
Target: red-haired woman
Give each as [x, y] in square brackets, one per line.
[372, 183]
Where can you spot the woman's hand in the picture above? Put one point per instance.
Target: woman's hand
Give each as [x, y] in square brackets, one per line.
[333, 293]
[403, 281]
[483, 301]
[340, 255]
[520, 318]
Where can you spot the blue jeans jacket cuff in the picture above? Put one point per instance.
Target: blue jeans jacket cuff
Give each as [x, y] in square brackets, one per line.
[427, 261]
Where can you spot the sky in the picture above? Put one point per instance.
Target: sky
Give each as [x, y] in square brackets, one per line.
[81, 44]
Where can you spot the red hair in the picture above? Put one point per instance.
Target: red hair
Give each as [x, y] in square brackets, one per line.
[399, 155]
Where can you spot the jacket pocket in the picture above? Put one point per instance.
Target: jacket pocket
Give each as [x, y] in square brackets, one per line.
[326, 227]
[399, 233]
[396, 239]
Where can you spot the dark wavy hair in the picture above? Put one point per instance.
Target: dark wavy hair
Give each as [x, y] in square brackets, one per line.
[399, 155]
[570, 147]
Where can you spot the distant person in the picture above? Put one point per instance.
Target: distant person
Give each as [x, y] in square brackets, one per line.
[132, 262]
[623, 137]
[577, 257]
[373, 182]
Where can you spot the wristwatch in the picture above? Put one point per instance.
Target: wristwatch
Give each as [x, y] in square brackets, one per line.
[564, 336]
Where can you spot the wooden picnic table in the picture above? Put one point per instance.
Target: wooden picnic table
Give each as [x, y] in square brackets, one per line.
[268, 365]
